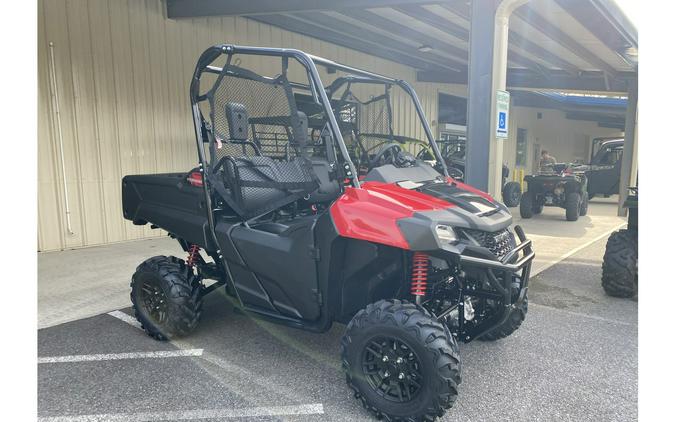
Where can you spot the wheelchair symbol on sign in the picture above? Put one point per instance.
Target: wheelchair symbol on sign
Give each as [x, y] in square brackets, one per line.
[502, 120]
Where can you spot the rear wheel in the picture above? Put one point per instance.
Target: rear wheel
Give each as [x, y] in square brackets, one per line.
[526, 204]
[583, 208]
[166, 297]
[619, 265]
[401, 362]
[511, 194]
[572, 206]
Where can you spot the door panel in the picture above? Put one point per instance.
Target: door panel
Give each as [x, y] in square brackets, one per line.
[282, 262]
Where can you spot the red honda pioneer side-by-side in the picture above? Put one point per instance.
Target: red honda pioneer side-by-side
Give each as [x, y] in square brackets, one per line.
[292, 211]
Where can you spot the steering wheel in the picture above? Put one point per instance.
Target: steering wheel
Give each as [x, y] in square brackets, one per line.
[455, 173]
[391, 150]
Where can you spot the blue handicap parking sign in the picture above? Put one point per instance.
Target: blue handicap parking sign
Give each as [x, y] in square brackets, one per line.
[502, 120]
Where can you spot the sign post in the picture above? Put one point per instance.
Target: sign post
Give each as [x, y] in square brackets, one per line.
[503, 99]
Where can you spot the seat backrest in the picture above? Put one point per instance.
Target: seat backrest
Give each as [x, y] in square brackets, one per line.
[329, 188]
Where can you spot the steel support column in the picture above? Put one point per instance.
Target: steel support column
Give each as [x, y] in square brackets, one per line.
[479, 106]
[630, 147]
[488, 50]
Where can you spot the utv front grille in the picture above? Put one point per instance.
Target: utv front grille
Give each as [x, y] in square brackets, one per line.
[499, 243]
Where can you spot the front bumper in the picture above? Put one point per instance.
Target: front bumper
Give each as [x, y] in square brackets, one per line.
[508, 279]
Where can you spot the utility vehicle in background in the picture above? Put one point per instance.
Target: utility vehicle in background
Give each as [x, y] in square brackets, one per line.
[604, 170]
[557, 185]
[301, 232]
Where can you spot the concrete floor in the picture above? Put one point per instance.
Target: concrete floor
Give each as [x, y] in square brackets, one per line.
[574, 358]
[80, 283]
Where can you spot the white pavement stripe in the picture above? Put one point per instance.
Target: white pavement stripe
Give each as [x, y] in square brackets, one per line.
[126, 318]
[573, 251]
[250, 412]
[118, 356]
[579, 314]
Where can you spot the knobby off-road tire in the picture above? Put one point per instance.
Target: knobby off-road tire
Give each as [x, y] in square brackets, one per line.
[526, 204]
[583, 208]
[392, 336]
[619, 265]
[166, 297]
[537, 208]
[511, 194]
[572, 206]
[510, 325]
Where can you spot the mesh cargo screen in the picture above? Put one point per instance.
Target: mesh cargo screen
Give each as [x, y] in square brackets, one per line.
[268, 166]
[269, 112]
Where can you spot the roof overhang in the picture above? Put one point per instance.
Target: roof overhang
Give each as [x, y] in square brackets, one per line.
[575, 45]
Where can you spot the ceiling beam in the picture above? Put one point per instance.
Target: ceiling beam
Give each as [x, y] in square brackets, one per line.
[385, 24]
[296, 25]
[614, 15]
[458, 31]
[459, 8]
[527, 79]
[360, 33]
[593, 15]
[541, 52]
[434, 20]
[540, 23]
[619, 126]
[195, 8]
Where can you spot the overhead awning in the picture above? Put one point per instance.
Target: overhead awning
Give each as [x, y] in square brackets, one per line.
[560, 45]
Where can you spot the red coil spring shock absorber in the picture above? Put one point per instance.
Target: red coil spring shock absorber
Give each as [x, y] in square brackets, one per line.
[193, 255]
[420, 268]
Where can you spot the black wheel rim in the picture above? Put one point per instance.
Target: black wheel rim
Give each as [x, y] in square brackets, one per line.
[392, 369]
[154, 301]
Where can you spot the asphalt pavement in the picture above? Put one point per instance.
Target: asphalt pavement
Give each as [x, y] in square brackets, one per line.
[574, 358]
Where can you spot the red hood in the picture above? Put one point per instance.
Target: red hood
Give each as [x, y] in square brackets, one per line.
[406, 198]
[418, 201]
[371, 213]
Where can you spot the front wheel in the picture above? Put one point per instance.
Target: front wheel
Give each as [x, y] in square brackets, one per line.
[509, 326]
[511, 194]
[166, 297]
[401, 362]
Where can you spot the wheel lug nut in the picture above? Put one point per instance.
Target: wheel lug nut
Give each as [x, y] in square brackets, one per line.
[385, 358]
[386, 374]
[401, 376]
[399, 360]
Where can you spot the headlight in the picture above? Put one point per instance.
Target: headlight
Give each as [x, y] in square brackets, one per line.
[445, 233]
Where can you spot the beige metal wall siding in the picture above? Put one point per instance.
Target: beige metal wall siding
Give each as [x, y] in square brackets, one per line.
[122, 72]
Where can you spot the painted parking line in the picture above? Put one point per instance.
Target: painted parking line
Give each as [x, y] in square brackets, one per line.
[557, 260]
[126, 318]
[119, 356]
[250, 412]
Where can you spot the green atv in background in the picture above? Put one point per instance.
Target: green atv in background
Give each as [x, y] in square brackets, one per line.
[620, 263]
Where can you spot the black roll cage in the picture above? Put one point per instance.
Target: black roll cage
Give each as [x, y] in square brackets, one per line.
[319, 93]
